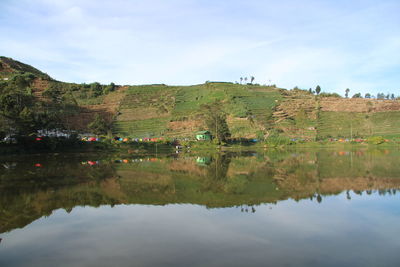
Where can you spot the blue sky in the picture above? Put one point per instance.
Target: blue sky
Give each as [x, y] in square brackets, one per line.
[336, 44]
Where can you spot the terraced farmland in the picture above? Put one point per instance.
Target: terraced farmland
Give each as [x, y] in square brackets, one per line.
[357, 124]
[177, 111]
[154, 127]
[155, 110]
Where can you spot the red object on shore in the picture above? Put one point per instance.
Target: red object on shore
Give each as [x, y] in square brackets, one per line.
[38, 139]
[38, 165]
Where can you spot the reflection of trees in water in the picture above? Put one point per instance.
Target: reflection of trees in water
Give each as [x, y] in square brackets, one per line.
[387, 192]
[247, 208]
[219, 166]
[381, 192]
[329, 173]
[217, 179]
[28, 192]
[216, 173]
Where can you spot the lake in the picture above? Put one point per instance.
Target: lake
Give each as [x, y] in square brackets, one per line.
[255, 208]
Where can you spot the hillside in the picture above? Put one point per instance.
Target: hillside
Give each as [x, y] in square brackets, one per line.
[9, 67]
[253, 111]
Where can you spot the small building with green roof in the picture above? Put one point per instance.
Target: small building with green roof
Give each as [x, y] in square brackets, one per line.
[203, 136]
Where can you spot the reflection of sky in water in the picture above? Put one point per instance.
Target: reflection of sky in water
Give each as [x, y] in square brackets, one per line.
[336, 232]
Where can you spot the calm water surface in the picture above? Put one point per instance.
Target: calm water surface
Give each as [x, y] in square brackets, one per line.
[302, 208]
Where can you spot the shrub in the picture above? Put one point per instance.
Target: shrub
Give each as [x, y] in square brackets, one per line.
[278, 141]
[376, 140]
[330, 95]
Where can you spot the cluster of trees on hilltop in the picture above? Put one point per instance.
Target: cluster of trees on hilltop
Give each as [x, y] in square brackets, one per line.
[22, 113]
[245, 79]
[91, 90]
[368, 95]
[317, 91]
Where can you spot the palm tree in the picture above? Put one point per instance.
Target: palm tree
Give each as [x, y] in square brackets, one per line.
[252, 79]
[241, 80]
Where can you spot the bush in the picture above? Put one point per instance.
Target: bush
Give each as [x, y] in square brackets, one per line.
[330, 95]
[278, 141]
[376, 140]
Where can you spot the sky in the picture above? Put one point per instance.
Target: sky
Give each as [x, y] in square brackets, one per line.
[335, 44]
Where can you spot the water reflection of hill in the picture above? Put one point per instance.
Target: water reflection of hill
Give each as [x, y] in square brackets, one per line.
[28, 192]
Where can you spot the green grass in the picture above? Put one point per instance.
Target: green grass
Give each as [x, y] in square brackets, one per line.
[149, 95]
[342, 124]
[241, 128]
[261, 104]
[90, 101]
[386, 124]
[347, 124]
[189, 99]
[141, 128]
[238, 100]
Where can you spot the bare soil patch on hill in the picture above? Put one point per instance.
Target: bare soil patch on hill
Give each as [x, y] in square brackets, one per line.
[107, 110]
[358, 105]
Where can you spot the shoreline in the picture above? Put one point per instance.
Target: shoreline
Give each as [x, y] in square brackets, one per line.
[187, 147]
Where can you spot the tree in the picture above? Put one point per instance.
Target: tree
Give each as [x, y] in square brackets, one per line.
[252, 79]
[215, 119]
[241, 80]
[109, 88]
[367, 95]
[96, 89]
[245, 79]
[99, 125]
[392, 97]
[21, 113]
[347, 92]
[358, 95]
[318, 89]
[310, 91]
[17, 106]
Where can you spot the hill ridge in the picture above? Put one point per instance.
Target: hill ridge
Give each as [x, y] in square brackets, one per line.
[253, 111]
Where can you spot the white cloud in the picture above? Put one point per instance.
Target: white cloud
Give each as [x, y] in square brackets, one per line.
[186, 42]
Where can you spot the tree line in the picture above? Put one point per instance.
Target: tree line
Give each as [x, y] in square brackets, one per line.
[388, 96]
